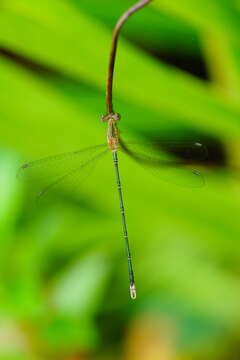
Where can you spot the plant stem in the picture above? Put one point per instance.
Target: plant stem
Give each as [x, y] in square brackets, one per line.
[139, 5]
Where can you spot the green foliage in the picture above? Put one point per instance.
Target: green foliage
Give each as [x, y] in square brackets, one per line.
[64, 288]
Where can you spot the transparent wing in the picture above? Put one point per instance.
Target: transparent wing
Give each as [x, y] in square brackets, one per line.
[171, 161]
[68, 168]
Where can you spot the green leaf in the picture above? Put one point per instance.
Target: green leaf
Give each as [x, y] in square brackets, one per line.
[213, 15]
[171, 92]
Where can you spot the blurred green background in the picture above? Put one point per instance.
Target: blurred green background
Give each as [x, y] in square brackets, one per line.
[64, 285]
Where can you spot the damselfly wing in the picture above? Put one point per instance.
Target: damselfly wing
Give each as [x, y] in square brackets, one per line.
[174, 162]
[69, 168]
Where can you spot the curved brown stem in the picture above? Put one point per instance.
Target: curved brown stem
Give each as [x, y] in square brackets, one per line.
[113, 52]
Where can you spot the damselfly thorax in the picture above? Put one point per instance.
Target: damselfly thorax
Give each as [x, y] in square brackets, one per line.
[112, 131]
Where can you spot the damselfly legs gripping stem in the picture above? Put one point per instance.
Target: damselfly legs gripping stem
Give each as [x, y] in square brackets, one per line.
[66, 167]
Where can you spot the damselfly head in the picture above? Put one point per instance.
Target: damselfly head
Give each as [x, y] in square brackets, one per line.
[112, 116]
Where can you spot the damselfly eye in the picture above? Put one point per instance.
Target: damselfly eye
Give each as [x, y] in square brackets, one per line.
[104, 118]
[116, 116]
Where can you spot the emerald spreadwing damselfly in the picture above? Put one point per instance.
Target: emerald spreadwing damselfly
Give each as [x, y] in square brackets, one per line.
[153, 154]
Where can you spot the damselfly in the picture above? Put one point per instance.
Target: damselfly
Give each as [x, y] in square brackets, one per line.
[158, 155]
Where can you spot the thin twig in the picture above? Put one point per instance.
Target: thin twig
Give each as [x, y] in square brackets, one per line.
[113, 52]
